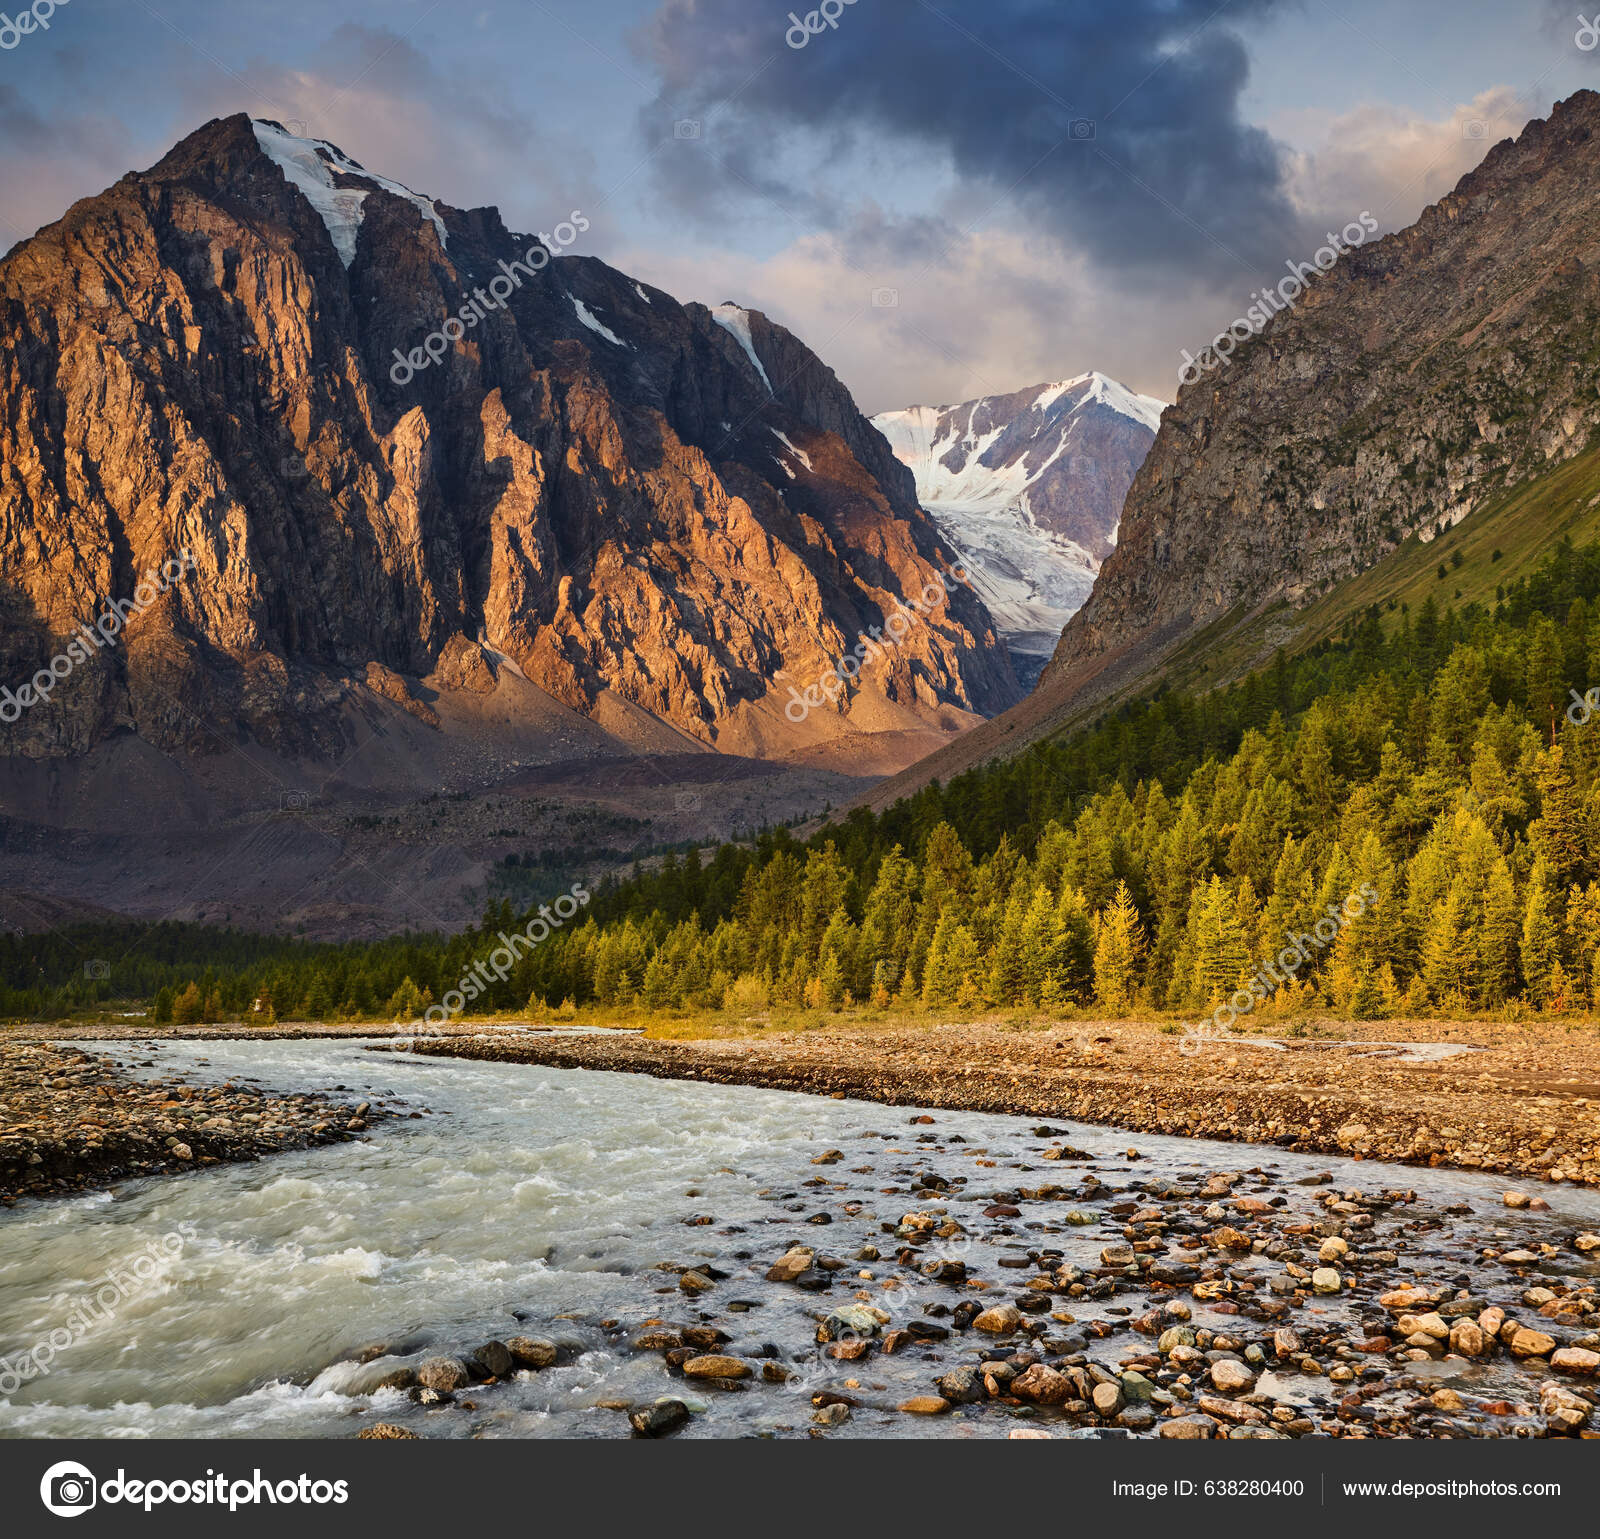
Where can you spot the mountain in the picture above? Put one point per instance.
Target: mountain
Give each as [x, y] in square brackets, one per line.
[1029, 487]
[429, 474]
[1424, 391]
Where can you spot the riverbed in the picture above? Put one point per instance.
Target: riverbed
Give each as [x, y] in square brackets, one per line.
[545, 1202]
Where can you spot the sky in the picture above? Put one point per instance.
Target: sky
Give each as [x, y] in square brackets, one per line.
[943, 198]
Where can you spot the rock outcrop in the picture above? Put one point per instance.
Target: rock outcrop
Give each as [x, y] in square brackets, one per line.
[1422, 376]
[257, 352]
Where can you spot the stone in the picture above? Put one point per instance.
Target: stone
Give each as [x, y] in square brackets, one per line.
[695, 1282]
[925, 1405]
[831, 1415]
[1467, 1338]
[1107, 1399]
[1430, 1325]
[1231, 1377]
[715, 1366]
[531, 1351]
[1174, 1336]
[1229, 1238]
[384, 1431]
[1333, 1249]
[1326, 1280]
[961, 1386]
[1575, 1360]
[1526, 1342]
[788, 1267]
[1001, 1320]
[1239, 1412]
[443, 1375]
[1447, 1400]
[851, 1320]
[1516, 1199]
[1117, 1255]
[495, 1358]
[1188, 1428]
[1042, 1385]
[659, 1420]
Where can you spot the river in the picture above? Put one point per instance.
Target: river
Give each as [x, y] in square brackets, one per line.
[527, 1195]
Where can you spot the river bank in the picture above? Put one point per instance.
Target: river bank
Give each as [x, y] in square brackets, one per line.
[72, 1120]
[1518, 1100]
[562, 1253]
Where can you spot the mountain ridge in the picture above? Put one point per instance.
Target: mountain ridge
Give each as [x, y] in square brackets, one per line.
[201, 356]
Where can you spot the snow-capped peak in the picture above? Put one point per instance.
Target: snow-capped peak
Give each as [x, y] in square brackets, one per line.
[310, 165]
[1029, 487]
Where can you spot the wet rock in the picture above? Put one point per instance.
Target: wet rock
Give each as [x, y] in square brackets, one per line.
[1575, 1360]
[1527, 1342]
[384, 1431]
[495, 1359]
[715, 1366]
[1325, 1280]
[1107, 1399]
[998, 1321]
[1188, 1428]
[925, 1405]
[659, 1420]
[831, 1415]
[1230, 1377]
[444, 1375]
[531, 1351]
[1042, 1385]
[961, 1386]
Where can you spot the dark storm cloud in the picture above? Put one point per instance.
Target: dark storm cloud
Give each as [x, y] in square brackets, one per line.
[1171, 179]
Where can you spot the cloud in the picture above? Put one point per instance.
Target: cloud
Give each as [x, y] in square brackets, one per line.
[1159, 172]
[1394, 162]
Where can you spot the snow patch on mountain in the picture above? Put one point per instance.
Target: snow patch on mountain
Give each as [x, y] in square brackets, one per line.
[587, 316]
[310, 164]
[737, 321]
[1028, 487]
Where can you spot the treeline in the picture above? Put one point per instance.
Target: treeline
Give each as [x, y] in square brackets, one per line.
[1151, 861]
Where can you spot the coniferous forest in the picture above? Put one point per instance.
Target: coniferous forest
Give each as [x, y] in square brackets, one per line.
[1444, 758]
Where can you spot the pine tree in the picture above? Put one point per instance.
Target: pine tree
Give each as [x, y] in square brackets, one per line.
[1220, 947]
[1119, 946]
[1541, 948]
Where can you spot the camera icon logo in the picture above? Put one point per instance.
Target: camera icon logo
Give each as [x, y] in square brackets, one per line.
[686, 128]
[296, 801]
[68, 1489]
[1473, 128]
[1081, 128]
[96, 969]
[886, 299]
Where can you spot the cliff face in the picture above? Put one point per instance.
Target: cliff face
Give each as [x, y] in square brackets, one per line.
[636, 504]
[1421, 376]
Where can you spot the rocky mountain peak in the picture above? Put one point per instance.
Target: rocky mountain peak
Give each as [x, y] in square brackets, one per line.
[391, 432]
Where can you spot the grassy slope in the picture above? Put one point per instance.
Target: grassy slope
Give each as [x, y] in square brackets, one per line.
[1522, 524]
